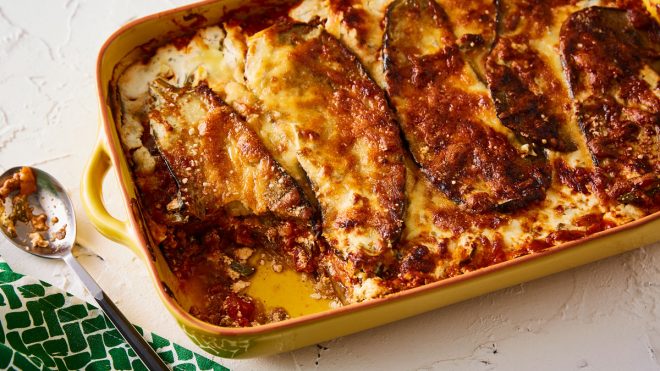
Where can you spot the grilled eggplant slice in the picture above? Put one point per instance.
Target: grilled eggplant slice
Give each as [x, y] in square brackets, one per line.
[474, 24]
[613, 73]
[525, 76]
[447, 117]
[218, 162]
[343, 131]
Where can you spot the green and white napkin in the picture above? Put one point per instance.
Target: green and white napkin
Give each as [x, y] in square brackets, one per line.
[44, 328]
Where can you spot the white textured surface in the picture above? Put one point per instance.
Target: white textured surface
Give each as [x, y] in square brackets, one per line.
[601, 316]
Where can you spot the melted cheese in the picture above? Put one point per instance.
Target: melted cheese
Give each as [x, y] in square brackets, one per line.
[344, 135]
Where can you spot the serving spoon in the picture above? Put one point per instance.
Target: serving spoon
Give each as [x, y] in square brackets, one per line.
[51, 199]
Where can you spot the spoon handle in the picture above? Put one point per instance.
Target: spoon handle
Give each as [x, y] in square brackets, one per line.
[125, 328]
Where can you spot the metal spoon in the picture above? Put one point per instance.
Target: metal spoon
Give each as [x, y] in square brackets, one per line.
[51, 199]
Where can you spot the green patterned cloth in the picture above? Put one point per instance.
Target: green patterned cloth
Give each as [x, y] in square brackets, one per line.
[43, 328]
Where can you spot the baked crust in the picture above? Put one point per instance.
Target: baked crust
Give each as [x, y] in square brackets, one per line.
[345, 139]
[474, 24]
[345, 135]
[611, 63]
[524, 75]
[450, 126]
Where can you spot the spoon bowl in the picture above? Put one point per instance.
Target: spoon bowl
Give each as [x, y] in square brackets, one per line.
[50, 199]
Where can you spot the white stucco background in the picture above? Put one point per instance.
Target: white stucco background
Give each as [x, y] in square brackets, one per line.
[603, 316]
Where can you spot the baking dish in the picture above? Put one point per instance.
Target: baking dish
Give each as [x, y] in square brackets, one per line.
[312, 328]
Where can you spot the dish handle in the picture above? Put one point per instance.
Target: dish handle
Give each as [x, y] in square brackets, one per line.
[92, 199]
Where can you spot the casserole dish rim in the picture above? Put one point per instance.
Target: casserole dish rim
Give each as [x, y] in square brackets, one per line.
[140, 246]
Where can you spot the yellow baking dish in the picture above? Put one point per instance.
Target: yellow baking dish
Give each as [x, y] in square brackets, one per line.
[315, 327]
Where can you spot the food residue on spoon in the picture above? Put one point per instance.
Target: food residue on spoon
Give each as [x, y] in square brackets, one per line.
[25, 183]
[38, 240]
[60, 234]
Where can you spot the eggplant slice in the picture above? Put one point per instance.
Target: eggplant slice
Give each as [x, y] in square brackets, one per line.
[613, 72]
[346, 140]
[447, 116]
[525, 75]
[220, 165]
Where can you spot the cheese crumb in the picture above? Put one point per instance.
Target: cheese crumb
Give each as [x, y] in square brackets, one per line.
[243, 253]
[144, 161]
[37, 240]
[239, 286]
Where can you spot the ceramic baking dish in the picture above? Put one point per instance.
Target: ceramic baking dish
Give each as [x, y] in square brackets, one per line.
[312, 328]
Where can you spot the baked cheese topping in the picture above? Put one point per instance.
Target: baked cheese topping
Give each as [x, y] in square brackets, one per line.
[609, 69]
[503, 155]
[448, 120]
[525, 75]
[343, 132]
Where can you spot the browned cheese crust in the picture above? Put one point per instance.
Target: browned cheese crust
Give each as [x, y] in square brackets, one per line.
[529, 93]
[355, 15]
[218, 162]
[356, 23]
[445, 122]
[474, 24]
[344, 134]
[612, 66]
